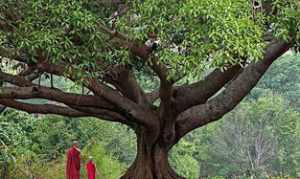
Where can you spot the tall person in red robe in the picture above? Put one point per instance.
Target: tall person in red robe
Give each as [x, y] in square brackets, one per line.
[73, 162]
[91, 169]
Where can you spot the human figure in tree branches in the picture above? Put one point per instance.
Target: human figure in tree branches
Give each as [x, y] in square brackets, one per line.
[73, 162]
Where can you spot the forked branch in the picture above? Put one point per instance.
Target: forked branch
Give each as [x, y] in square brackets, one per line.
[224, 102]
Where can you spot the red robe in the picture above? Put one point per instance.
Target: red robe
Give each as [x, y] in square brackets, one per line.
[73, 164]
[91, 170]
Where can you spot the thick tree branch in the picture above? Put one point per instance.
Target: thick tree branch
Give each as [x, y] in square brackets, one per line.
[160, 69]
[136, 94]
[23, 79]
[215, 108]
[54, 95]
[152, 96]
[87, 105]
[29, 90]
[56, 69]
[124, 80]
[65, 111]
[108, 115]
[43, 108]
[166, 113]
[131, 108]
[121, 102]
[100, 90]
[32, 76]
[199, 92]
[165, 88]
[15, 80]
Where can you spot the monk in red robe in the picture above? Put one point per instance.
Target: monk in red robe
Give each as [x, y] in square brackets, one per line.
[91, 169]
[73, 162]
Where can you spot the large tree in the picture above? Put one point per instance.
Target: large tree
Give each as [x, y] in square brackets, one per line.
[111, 47]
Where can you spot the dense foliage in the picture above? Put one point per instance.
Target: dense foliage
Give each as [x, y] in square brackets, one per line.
[211, 33]
[43, 141]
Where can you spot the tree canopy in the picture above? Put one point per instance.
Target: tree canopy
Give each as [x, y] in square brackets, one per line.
[194, 35]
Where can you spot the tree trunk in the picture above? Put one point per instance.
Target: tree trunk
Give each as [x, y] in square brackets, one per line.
[151, 161]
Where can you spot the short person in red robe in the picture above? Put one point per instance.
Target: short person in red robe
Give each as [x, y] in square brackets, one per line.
[91, 169]
[73, 162]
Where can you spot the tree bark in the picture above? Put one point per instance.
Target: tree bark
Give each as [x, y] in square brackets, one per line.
[151, 161]
[4, 171]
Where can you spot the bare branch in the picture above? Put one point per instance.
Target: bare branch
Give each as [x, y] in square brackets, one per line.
[99, 89]
[92, 105]
[152, 96]
[199, 92]
[124, 80]
[103, 92]
[137, 112]
[62, 110]
[43, 108]
[54, 95]
[215, 108]
[16, 80]
[160, 69]
[165, 89]
[108, 115]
